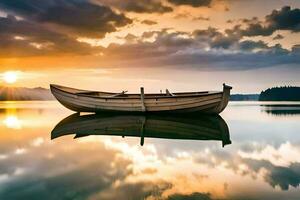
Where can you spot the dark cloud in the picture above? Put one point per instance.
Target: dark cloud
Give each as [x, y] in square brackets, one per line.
[164, 44]
[222, 41]
[296, 49]
[147, 6]
[209, 32]
[250, 45]
[79, 16]
[141, 6]
[205, 49]
[188, 15]
[229, 61]
[182, 15]
[215, 38]
[201, 18]
[36, 35]
[149, 22]
[208, 48]
[193, 196]
[252, 20]
[130, 38]
[278, 37]
[283, 19]
[24, 38]
[257, 29]
[194, 3]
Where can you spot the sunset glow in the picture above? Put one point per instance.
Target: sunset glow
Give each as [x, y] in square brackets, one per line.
[186, 45]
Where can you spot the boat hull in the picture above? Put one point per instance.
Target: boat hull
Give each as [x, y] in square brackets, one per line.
[204, 102]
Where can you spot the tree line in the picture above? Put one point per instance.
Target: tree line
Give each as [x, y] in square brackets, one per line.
[285, 93]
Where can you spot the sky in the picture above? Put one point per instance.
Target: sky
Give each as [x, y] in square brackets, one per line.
[117, 45]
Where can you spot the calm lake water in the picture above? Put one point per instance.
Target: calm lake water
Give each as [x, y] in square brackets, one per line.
[257, 157]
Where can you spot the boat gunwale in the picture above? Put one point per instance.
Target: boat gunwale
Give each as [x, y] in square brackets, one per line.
[206, 106]
[148, 104]
[196, 94]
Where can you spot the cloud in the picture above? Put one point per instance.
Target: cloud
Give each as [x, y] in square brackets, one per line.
[135, 191]
[256, 29]
[141, 6]
[215, 38]
[81, 17]
[23, 38]
[130, 38]
[277, 175]
[278, 37]
[36, 34]
[201, 18]
[164, 44]
[149, 22]
[283, 19]
[147, 6]
[62, 177]
[202, 49]
[193, 3]
[285, 176]
[188, 15]
[250, 45]
[277, 171]
[193, 196]
[296, 49]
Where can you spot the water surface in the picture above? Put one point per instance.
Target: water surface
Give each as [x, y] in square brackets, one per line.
[260, 158]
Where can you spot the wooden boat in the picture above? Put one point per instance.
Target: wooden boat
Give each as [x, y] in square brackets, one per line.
[94, 101]
[182, 127]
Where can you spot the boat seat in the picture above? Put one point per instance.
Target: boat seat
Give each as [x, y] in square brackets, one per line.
[87, 92]
[118, 94]
[169, 93]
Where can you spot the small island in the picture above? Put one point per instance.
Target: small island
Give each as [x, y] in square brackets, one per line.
[286, 93]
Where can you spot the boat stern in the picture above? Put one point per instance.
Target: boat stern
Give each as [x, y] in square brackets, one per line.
[225, 97]
[224, 100]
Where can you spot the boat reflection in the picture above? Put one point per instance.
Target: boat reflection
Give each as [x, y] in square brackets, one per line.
[182, 127]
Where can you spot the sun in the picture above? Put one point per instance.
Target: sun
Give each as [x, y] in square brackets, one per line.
[10, 77]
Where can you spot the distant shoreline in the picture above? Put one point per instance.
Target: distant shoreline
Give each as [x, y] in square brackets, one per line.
[43, 94]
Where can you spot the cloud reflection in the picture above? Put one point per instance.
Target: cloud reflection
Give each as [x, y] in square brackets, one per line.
[109, 167]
